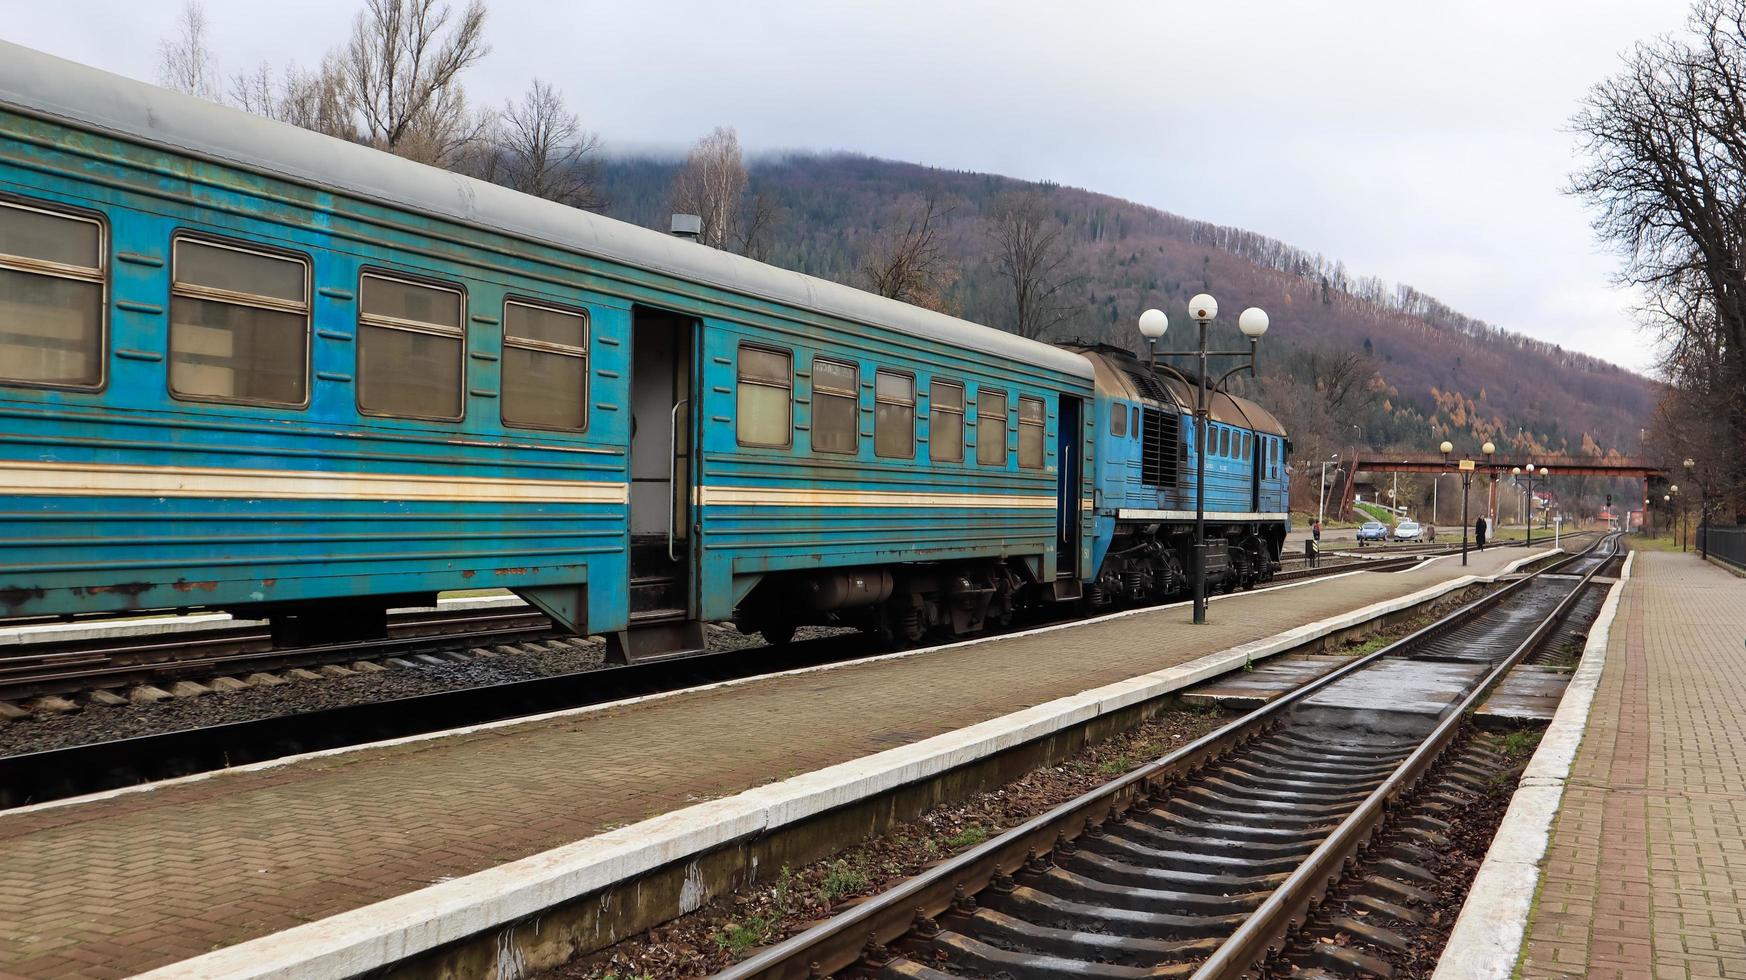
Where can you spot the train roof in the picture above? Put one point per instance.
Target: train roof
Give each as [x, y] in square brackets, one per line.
[88, 98]
[1121, 374]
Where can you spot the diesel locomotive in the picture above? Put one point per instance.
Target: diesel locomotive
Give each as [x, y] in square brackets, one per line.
[249, 367]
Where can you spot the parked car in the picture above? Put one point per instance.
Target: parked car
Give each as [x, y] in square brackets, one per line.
[1373, 531]
[1408, 531]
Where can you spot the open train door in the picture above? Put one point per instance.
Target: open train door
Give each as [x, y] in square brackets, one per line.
[1069, 519]
[663, 563]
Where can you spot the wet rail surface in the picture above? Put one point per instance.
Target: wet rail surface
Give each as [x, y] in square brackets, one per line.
[1205, 863]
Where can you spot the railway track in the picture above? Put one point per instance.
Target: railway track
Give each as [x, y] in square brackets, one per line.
[54, 667]
[1210, 862]
[61, 668]
[93, 766]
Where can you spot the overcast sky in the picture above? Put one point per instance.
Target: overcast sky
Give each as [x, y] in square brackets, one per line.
[1425, 143]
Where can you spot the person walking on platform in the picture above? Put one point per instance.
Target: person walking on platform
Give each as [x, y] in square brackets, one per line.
[1316, 530]
[1479, 532]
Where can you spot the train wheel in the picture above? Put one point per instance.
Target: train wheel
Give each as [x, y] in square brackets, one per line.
[778, 636]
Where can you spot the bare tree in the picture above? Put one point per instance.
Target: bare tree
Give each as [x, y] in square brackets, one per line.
[1032, 257]
[1666, 138]
[757, 223]
[712, 184]
[311, 99]
[185, 61]
[401, 71]
[317, 99]
[1346, 381]
[256, 91]
[909, 265]
[539, 147]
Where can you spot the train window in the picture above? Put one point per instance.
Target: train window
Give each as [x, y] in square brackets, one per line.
[409, 349]
[1031, 429]
[893, 415]
[1118, 420]
[836, 406]
[1224, 442]
[946, 422]
[239, 325]
[1248, 448]
[763, 406]
[1134, 426]
[545, 367]
[51, 297]
[991, 428]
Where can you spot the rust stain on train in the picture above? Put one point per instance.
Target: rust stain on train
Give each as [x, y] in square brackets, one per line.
[132, 590]
[15, 598]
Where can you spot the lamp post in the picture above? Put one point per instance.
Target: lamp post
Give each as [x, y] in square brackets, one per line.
[1532, 502]
[1673, 516]
[1465, 467]
[1153, 323]
[1203, 309]
[1521, 493]
[1322, 504]
[1703, 509]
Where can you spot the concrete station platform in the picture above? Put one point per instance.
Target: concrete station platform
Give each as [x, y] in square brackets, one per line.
[334, 863]
[1624, 851]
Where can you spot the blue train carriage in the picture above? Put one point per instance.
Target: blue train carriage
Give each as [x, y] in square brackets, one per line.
[1144, 485]
[249, 367]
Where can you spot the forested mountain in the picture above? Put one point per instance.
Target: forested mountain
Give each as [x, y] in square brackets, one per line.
[1349, 359]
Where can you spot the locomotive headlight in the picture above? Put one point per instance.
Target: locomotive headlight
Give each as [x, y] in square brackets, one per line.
[1253, 322]
[1203, 308]
[1153, 323]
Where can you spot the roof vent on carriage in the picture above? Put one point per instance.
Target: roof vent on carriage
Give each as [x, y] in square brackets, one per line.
[687, 226]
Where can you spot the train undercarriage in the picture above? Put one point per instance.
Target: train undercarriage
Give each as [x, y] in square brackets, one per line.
[906, 604]
[1153, 562]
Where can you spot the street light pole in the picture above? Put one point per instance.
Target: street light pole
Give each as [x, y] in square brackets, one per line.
[1703, 509]
[1253, 324]
[1533, 504]
[1675, 516]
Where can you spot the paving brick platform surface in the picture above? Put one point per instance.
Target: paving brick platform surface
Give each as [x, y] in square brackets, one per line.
[115, 886]
[1645, 873]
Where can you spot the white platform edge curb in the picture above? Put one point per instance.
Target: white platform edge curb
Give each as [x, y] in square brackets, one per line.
[385, 932]
[1487, 939]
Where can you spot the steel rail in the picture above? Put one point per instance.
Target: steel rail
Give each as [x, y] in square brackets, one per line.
[43, 667]
[70, 770]
[1288, 907]
[57, 667]
[842, 940]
